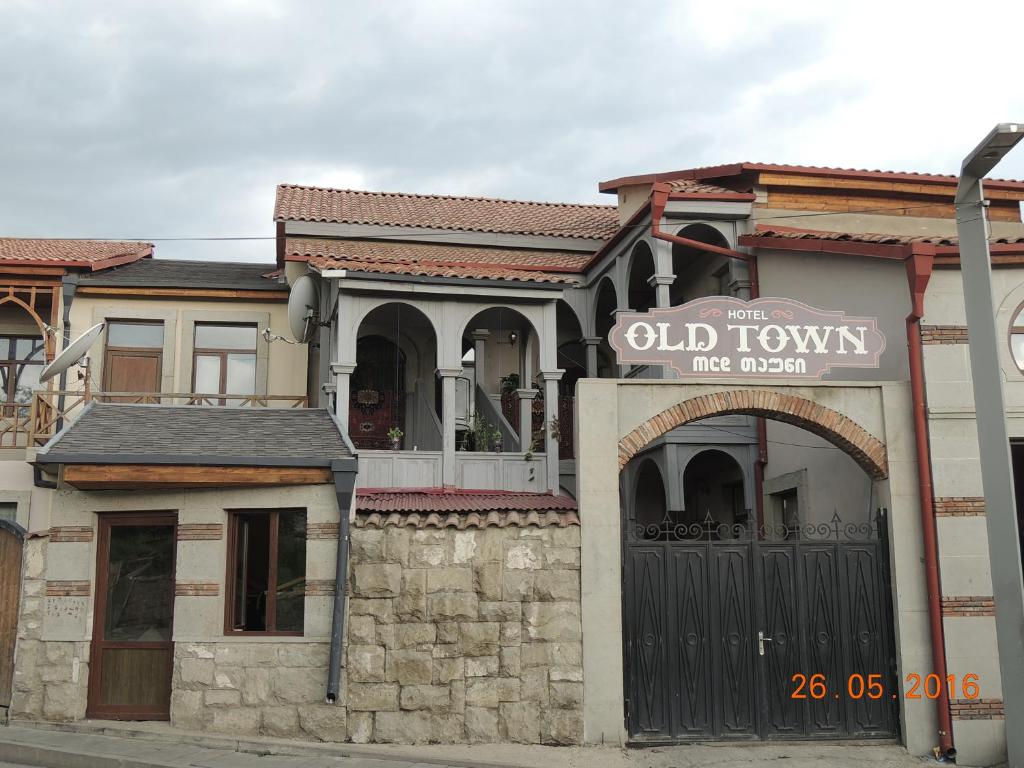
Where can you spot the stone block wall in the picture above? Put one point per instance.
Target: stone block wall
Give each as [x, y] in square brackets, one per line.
[465, 635]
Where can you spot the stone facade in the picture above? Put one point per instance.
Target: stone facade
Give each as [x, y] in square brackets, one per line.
[465, 635]
[453, 636]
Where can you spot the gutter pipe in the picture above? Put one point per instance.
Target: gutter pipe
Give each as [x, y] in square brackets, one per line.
[659, 199]
[919, 270]
[344, 484]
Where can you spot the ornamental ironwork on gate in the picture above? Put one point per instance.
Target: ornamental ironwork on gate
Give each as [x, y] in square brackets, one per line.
[722, 620]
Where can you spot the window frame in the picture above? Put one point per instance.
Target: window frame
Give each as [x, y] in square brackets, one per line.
[110, 351]
[223, 353]
[12, 363]
[272, 585]
[1016, 330]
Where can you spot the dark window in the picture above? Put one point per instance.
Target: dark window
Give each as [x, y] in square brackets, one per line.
[21, 360]
[266, 571]
[224, 359]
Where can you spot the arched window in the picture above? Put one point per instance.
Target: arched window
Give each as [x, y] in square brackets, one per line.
[1017, 338]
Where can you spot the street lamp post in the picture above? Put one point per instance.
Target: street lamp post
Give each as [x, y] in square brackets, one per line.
[993, 439]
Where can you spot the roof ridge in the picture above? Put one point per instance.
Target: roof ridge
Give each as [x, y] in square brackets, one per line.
[473, 198]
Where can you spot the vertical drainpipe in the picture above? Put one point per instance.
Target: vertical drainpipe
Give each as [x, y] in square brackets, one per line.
[659, 199]
[344, 472]
[919, 270]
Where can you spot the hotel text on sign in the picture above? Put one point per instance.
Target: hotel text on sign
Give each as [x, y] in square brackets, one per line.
[730, 338]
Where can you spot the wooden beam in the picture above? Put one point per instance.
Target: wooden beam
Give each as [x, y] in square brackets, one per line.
[161, 476]
[184, 293]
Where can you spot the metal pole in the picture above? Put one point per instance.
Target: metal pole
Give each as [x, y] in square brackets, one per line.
[994, 445]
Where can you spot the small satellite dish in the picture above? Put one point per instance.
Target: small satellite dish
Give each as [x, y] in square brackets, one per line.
[303, 309]
[74, 352]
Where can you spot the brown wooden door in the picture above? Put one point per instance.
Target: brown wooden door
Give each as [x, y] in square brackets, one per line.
[132, 651]
[10, 593]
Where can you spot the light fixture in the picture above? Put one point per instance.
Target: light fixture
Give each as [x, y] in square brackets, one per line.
[512, 337]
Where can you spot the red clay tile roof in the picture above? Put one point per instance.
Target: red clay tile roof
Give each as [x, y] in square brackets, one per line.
[549, 519]
[469, 214]
[451, 508]
[457, 500]
[782, 233]
[95, 254]
[690, 188]
[434, 260]
[736, 169]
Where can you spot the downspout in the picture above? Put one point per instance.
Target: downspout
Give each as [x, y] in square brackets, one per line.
[344, 472]
[919, 270]
[659, 199]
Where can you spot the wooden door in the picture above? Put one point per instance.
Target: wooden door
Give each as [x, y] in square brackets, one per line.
[131, 370]
[11, 543]
[132, 650]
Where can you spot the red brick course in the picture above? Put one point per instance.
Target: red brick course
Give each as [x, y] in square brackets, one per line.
[959, 506]
[943, 334]
[67, 588]
[976, 709]
[71, 533]
[196, 589]
[200, 532]
[969, 605]
[868, 451]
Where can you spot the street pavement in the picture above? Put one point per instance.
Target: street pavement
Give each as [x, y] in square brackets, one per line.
[90, 745]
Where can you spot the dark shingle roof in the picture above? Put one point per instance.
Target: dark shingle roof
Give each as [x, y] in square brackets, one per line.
[172, 273]
[190, 435]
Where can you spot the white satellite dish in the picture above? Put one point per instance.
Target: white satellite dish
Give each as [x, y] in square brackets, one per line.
[74, 352]
[304, 309]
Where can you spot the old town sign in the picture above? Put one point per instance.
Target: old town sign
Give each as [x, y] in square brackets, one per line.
[724, 337]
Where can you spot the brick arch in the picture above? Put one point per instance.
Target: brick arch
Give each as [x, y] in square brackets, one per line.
[868, 451]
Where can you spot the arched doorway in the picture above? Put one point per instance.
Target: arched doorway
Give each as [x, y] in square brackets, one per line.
[604, 318]
[723, 615]
[393, 391]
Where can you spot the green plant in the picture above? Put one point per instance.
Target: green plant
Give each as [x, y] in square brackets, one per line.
[395, 434]
[509, 383]
[554, 429]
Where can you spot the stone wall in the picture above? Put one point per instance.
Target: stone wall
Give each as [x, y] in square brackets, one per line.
[465, 635]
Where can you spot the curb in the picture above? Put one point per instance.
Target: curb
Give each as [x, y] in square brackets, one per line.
[22, 751]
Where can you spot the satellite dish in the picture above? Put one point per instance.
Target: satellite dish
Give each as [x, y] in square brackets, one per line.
[303, 309]
[74, 352]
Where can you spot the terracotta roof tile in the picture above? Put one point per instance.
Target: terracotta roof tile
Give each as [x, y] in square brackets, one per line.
[470, 214]
[463, 521]
[390, 257]
[691, 187]
[95, 254]
[456, 500]
[782, 233]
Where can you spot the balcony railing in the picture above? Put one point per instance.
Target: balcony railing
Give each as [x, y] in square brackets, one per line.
[32, 424]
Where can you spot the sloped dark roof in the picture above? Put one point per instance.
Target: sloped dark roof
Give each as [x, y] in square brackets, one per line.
[116, 433]
[172, 273]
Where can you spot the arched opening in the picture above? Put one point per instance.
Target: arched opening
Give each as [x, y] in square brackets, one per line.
[500, 356]
[713, 490]
[650, 504]
[572, 358]
[393, 390]
[699, 273]
[23, 354]
[604, 318]
[642, 295]
[712, 600]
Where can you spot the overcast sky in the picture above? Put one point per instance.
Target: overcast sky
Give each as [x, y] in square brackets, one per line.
[158, 120]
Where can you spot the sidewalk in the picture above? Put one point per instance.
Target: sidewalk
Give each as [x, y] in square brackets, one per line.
[153, 745]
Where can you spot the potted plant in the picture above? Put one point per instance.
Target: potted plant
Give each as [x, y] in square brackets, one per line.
[395, 435]
[509, 383]
[497, 440]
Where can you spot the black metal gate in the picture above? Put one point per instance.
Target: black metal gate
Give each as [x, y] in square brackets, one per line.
[721, 621]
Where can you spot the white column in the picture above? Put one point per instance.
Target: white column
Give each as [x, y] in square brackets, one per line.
[526, 397]
[661, 285]
[591, 343]
[525, 360]
[448, 376]
[479, 337]
[342, 373]
[551, 379]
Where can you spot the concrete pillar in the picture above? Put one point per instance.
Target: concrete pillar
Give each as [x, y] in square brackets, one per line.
[661, 285]
[525, 360]
[448, 376]
[479, 337]
[342, 373]
[591, 343]
[623, 369]
[526, 398]
[551, 379]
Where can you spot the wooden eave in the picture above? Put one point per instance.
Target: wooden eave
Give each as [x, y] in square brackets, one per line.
[182, 293]
[152, 477]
